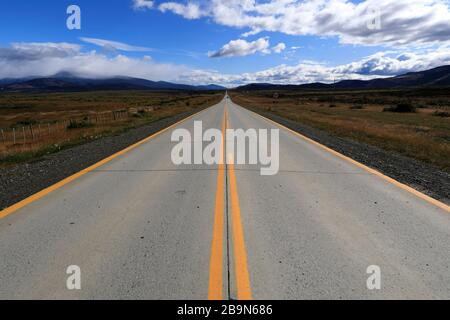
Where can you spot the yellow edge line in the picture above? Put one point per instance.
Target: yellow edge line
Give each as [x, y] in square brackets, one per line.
[240, 255]
[400, 185]
[6, 212]
[216, 262]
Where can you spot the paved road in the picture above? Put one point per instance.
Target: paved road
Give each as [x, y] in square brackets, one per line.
[140, 227]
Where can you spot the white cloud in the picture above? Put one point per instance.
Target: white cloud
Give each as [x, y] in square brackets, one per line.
[188, 11]
[403, 22]
[394, 63]
[240, 48]
[114, 45]
[143, 4]
[376, 66]
[46, 59]
[279, 48]
[31, 51]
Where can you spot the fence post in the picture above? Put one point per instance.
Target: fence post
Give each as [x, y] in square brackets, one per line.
[32, 132]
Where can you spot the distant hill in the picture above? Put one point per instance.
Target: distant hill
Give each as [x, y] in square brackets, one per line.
[437, 77]
[67, 82]
[211, 87]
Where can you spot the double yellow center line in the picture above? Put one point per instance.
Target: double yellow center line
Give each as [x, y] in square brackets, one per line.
[216, 271]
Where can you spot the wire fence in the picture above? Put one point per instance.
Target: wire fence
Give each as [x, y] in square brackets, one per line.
[30, 136]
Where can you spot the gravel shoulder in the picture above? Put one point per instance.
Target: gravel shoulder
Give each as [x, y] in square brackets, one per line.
[23, 180]
[423, 177]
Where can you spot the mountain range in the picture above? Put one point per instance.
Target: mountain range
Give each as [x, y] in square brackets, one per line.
[437, 77]
[69, 82]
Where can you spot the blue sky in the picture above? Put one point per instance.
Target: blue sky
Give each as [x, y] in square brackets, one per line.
[206, 41]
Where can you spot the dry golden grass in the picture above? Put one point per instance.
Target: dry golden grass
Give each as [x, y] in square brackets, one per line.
[45, 107]
[421, 135]
[49, 115]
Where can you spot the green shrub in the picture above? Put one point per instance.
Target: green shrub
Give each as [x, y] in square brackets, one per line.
[401, 108]
[324, 99]
[79, 124]
[443, 114]
[26, 122]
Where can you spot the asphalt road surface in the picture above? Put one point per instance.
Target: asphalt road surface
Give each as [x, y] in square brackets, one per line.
[140, 227]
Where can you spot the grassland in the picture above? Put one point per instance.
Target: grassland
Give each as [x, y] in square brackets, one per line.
[366, 116]
[54, 121]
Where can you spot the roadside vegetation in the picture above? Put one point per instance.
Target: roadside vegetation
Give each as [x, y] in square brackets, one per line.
[33, 125]
[414, 123]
